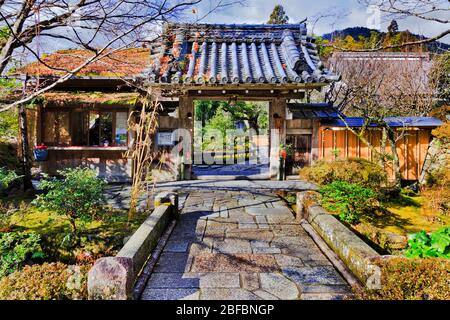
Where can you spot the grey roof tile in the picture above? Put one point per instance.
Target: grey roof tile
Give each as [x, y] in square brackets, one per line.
[234, 54]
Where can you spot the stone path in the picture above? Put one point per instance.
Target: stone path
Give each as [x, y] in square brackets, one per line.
[242, 245]
[237, 170]
[118, 195]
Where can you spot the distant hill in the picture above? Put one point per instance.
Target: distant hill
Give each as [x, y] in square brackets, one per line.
[356, 32]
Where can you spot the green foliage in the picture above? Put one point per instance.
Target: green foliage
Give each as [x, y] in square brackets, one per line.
[323, 47]
[411, 279]
[16, 249]
[9, 125]
[436, 244]
[255, 113]
[77, 195]
[205, 109]
[221, 121]
[278, 16]
[359, 171]
[221, 116]
[48, 281]
[349, 200]
[7, 177]
[7, 86]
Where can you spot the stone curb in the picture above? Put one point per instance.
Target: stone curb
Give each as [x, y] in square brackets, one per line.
[112, 278]
[358, 256]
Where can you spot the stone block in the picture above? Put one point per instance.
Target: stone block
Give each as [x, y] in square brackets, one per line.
[280, 211]
[174, 280]
[279, 286]
[111, 278]
[219, 280]
[171, 294]
[314, 275]
[227, 294]
[250, 281]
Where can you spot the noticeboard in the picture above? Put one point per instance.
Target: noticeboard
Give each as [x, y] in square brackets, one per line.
[164, 138]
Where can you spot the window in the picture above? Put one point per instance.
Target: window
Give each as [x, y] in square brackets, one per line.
[84, 128]
[57, 128]
[121, 128]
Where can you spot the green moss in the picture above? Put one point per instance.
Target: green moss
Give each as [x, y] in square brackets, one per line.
[412, 215]
[101, 236]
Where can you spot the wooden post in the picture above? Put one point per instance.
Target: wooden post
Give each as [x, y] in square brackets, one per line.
[277, 121]
[186, 114]
[25, 158]
[315, 141]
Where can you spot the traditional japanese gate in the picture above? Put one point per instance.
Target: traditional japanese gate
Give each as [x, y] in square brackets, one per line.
[273, 63]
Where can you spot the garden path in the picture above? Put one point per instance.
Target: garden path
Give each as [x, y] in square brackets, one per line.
[241, 244]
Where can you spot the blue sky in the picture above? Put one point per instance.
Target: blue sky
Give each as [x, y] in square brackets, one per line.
[345, 13]
[351, 13]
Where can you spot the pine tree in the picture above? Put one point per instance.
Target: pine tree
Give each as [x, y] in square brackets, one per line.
[393, 27]
[278, 16]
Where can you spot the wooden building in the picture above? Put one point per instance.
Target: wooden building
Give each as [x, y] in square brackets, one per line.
[278, 64]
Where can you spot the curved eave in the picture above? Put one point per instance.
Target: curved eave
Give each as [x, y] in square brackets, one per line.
[240, 86]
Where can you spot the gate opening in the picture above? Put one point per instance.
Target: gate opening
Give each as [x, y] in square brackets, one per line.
[231, 138]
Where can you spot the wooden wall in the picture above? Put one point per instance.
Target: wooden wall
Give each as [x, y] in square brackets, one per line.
[109, 164]
[412, 148]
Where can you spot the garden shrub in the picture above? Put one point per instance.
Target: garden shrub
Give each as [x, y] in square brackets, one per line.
[48, 281]
[437, 190]
[78, 195]
[411, 279]
[349, 200]
[8, 155]
[436, 244]
[9, 124]
[7, 177]
[442, 132]
[359, 171]
[16, 249]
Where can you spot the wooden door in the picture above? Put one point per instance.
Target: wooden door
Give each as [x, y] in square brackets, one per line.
[301, 152]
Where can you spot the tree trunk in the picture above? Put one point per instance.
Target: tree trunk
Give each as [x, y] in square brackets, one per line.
[73, 225]
[24, 148]
[396, 160]
[16, 28]
[382, 155]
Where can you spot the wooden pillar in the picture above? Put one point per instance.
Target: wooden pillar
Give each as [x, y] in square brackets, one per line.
[315, 140]
[186, 121]
[277, 122]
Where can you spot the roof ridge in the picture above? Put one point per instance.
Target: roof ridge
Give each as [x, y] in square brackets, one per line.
[242, 25]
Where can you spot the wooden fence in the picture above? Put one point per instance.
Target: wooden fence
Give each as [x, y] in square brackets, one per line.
[338, 142]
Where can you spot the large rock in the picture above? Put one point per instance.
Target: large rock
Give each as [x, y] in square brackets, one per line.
[111, 278]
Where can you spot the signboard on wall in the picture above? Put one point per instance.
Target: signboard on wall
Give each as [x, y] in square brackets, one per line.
[164, 138]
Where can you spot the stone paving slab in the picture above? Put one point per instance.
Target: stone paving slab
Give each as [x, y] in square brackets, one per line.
[235, 263]
[227, 294]
[170, 294]
[245, 245]
[282, 211]
[278, 285]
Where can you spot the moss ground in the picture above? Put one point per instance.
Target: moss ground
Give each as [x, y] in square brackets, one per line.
[408, 214]
[102, 235]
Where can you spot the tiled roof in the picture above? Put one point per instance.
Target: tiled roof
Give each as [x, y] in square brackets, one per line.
[391, 121]
[313, 111]
[236, 54]
[125, 62]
